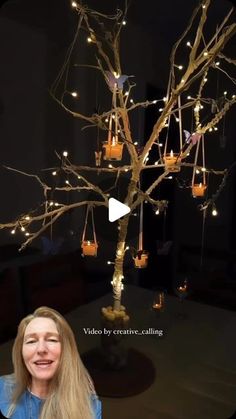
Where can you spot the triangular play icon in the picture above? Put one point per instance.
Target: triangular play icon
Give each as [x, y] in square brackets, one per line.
[116, 209]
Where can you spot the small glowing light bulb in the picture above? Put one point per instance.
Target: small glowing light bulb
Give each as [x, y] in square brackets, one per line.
[67, 182]
[154, 102]
[126, 94]
[136, 143]
[197, 171]
[180, 67]
[203, 6]
[160, 109]
[205, 79]
[65, 153]
[225, 93]
[27, 234]
[189, 97]
[110, 166]
[89, 40]
[203, 169]
[214, 212]
[157, 212]
[205, 53]
[182, 81]
[54, 173]
[13, 231]
[124, 22]
[74, 4]
[27, 217]
[217, 63]
[188, 44]
[74, 94]
[22, 228]
[131, 100]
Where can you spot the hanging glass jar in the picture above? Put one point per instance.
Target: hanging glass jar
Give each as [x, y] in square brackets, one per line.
[89, 247]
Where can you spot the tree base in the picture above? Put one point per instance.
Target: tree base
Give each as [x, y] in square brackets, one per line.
[134, 378]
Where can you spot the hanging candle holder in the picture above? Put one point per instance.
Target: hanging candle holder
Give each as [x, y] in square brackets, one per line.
[199, 188]
[141, 259]
[113, 148]
[141, 256]
[172, 161]
[89, 247]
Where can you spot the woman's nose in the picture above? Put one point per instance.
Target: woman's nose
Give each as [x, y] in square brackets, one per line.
[42, 346]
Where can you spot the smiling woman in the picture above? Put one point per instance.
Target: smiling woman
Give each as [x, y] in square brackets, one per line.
[49, 380]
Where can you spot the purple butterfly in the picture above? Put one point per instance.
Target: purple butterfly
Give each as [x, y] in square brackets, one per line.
[112, 80]
[163, 248]
[194, 137]
[51, 247]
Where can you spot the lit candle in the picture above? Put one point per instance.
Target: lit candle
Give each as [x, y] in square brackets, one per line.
[199, 189]
[172, 162]
[141, 261]
[89, 248]
[183, 288]
[159, 303]
[114, 150]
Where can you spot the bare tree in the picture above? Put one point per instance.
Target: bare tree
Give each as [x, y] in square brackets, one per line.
[104, 32]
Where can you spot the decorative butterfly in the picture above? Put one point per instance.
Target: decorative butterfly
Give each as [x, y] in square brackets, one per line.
[118, 81]
[163, 248]
[98, 155]
[51, 247]
[192, 138]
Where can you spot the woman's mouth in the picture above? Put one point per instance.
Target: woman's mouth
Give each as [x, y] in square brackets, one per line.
[43, 364]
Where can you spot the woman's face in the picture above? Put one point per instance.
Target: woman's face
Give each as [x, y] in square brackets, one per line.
[41, 349]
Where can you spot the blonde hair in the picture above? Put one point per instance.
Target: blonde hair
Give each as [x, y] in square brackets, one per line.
[71, 388]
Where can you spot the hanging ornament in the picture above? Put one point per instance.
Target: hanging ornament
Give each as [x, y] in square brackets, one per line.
[98, 155]
[199, 188]
[141, 257]
[172, 160]
[113, 148]
[89, 247]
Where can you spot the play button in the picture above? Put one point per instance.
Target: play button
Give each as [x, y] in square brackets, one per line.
[116, 209]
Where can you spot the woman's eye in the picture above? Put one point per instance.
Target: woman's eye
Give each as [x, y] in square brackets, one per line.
[52, 340]
[30, 341]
